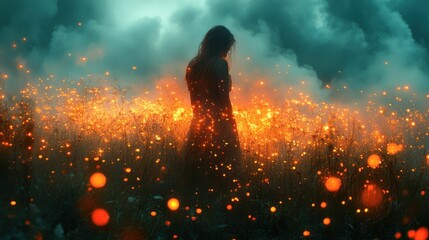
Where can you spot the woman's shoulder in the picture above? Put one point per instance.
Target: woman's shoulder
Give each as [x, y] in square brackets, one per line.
[220, 64]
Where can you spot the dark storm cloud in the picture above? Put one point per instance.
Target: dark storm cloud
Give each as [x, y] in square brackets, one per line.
[341, 39]
[362, 44]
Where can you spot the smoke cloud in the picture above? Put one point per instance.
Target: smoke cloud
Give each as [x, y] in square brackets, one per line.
[363, 45]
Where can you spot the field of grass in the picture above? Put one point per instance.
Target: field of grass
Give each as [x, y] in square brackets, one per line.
[310, 170]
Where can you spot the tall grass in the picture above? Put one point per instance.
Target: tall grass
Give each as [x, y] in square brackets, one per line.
[54, 138]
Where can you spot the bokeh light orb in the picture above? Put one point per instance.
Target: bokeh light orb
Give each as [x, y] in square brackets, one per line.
[326, 221]
[421, 234]
[100, 217]
[173, 204]
[394, 148]
[98, 180]
[374, 160]
[306, 233]
[372, 196]
[333, 184]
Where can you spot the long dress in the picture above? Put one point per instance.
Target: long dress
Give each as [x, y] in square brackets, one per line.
[212, 150]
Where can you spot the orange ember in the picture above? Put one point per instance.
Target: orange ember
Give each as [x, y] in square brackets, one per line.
[100, 217]
[173, 204]
[333, 184]
[421, 234]
[326, 221]
[306, 233]
[393, 148]
[372, 196]
[374, 161]
[98, 180]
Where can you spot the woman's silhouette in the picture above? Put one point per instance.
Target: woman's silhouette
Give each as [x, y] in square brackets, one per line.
[212, 149]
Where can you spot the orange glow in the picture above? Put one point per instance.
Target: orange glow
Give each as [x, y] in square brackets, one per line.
[229, 207]
[421, 234]
[273, 209]
[333, 184]
[153, 214]
[323, 204]
[13, 203]
[306, 233]
[427, 159]
[326, 221]
[393, 148]
[100, 217]
[173, 204]
[372, 196]
[198, 210]
[98, 180]
[127, 170]
[398, 235]
[411, 233]
[374, 161]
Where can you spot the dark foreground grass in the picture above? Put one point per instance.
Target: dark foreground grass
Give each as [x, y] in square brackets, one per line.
[48, 157]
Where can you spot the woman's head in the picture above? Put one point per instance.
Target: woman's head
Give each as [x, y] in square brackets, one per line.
[217, 42]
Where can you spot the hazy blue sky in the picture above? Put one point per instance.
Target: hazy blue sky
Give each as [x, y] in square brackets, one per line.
[364, 44]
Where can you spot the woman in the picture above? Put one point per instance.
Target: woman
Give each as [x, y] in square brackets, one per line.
[212, 149]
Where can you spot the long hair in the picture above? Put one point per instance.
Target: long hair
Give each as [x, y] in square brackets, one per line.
[217, 43]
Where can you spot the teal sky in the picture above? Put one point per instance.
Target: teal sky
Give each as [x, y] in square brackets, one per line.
[361, 44]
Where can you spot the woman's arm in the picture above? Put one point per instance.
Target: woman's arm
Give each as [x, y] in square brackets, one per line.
[223, 80]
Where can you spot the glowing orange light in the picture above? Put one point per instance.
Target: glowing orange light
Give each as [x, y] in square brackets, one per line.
[374, 160]
[411, 233]
[83, 59]
[127, 170]
[323, 204]
[173, 204]
[153, 214]
[372, 196]
[198, 210]
[421, 234]
[427, 159]
[393, 148]
[100, 217]
[333, 184]
[398, 235]
[12, 203]
[326, 221]
[273, 209]
[229, 207]
[98, 180]
[306, 233]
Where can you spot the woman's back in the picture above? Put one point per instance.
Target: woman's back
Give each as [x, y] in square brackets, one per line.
[212, 149]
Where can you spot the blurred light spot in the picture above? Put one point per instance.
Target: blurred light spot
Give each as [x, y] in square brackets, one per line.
[326, 221]
[372, 196]
[333, 184]
[306, 233]
[97, 180]
[421, 234]
[100, 217]
[173, 204]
